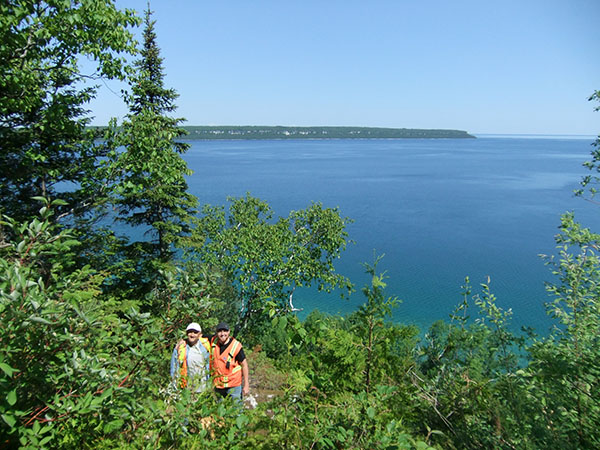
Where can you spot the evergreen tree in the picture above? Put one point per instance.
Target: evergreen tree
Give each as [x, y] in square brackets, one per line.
[147, 88]
[150, 190]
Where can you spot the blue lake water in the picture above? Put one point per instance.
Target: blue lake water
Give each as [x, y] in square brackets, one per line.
[440, 210]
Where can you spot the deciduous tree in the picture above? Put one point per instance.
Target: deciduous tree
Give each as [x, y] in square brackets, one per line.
[265, 260]
[565, 368]
[590, 182]
[43, 93]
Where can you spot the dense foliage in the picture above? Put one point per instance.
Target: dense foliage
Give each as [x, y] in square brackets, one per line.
[89, 318]
[42, 105]
[263, 261]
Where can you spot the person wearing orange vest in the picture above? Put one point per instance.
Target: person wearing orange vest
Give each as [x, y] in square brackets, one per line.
[190, 360]
[228, 365]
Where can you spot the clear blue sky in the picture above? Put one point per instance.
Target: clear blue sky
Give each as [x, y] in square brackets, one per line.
[510, 66]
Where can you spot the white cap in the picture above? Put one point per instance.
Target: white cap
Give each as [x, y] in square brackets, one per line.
[193, 326]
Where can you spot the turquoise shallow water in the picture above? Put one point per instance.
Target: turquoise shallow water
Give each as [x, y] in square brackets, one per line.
[439, 209]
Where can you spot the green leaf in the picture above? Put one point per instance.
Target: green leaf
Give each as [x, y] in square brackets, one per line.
[241, 421]
[282, 322]
[40, 320]
[113, 426]
[10, 420]
[45, 440]
[371, 412]
[11, 398]
[7, 369]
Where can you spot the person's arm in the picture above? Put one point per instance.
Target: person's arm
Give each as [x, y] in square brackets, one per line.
[246, 381]
[206, 364]
[174, 363]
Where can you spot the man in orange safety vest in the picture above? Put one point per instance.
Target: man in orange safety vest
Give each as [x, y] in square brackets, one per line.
[228, 365]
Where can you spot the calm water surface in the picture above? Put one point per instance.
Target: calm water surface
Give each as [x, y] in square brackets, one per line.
[440, 210]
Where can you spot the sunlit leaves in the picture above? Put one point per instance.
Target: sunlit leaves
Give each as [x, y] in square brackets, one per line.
[59, 374]
[42, 107]
[266, 259]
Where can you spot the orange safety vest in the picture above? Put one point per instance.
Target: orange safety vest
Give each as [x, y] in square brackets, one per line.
[226, 371]
[182, 358]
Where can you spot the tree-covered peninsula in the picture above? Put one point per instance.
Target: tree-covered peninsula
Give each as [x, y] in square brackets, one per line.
[285, 132]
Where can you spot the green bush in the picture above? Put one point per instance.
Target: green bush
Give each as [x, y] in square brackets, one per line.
[69, 370]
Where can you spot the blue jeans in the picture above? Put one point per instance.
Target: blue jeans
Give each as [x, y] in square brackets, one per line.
[234, 392]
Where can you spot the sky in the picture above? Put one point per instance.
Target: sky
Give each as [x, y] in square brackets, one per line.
[501, 67]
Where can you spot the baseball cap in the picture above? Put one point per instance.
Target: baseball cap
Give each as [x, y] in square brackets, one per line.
[193, 326]
[222, 326]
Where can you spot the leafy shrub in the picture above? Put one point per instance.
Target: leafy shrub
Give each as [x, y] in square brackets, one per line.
[69, 372]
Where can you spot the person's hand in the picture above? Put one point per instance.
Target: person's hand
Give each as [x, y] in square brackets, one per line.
[245, 389]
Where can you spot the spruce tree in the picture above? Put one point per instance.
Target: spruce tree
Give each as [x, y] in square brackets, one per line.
[150, 192]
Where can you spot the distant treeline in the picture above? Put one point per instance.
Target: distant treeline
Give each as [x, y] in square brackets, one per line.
[283, 132]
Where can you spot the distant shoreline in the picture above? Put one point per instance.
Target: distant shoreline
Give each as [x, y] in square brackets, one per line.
[243, 132]
[285, 133]
[535, 136]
